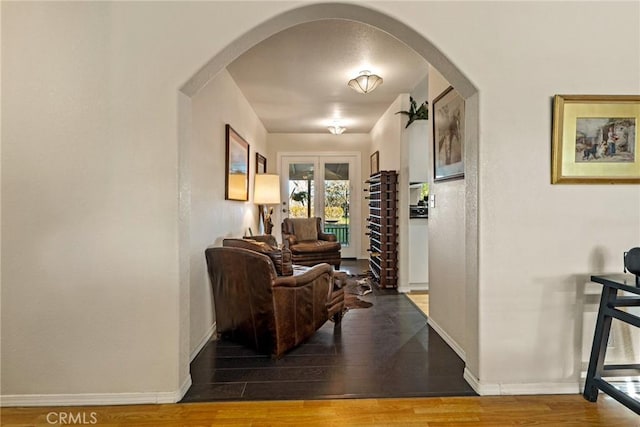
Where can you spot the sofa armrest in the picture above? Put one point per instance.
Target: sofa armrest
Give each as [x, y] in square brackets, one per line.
[264, 238]
[289, 240]
[305, 278]
[327, 237]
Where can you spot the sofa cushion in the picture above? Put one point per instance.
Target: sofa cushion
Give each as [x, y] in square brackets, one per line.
[321, 246]
[281, 258]
[305, 228]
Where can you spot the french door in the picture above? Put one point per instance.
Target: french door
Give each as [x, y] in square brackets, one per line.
[324, 185]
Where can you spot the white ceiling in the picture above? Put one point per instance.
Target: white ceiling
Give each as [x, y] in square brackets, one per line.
[296, 80]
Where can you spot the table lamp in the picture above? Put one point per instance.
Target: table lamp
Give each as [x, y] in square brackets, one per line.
[266, 191]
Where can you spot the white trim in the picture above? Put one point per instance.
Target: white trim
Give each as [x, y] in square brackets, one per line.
[184, 388]
[447, 338]
[203, 341]
[418, 286]
[481, 389]
[540, 388]
[496, 389]
[354, 158]
[91, 399]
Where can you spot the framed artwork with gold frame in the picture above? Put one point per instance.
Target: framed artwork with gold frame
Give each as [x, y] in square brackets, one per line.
[236, 167]
[595, 140]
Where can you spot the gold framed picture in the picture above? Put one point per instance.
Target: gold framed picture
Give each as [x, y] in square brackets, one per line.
[595, 139]
[237, 166]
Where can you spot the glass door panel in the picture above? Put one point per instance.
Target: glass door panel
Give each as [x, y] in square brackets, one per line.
[301, 190]
[321, 185]
[336, 201]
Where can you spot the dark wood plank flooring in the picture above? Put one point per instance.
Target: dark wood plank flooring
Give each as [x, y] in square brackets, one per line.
[387, 350]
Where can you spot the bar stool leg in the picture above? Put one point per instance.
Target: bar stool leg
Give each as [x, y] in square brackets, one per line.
[599, 347]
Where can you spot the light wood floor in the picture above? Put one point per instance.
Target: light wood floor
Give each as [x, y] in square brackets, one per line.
[426, 412]
[421, 300]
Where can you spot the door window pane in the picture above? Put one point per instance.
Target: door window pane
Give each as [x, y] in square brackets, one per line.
[301, 190]
[336, 201]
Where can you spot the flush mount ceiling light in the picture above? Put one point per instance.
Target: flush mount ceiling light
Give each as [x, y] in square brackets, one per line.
[336, 129]
[365, 82]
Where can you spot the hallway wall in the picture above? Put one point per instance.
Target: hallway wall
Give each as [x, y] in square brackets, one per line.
[212, 218]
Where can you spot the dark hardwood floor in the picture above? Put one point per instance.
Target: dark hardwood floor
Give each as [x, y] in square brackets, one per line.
[387, 350]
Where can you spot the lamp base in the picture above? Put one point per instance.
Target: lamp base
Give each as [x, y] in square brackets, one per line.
[268, 225]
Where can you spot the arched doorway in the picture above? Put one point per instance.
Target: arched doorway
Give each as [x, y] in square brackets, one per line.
[430, 53]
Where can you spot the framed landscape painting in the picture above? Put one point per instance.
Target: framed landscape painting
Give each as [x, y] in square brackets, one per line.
[237, 166]
[594, 139]
[448, 135]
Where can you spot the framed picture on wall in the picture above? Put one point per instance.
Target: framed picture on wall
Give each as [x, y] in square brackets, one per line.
[261, 167]
[375, 162]
[448, 135]
[261, 163]
[237, 166]
[595, 140]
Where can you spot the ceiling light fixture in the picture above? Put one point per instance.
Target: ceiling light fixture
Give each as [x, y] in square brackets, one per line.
[336, 129]
[365, 82]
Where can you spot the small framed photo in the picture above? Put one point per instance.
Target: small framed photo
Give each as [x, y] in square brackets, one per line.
[594, 139]
[448, 135]
[374, 161]
[261, 163]
[237, 166]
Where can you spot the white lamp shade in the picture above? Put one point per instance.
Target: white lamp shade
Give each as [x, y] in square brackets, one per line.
[266, 190]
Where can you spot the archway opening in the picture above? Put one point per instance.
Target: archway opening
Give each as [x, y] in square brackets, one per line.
[414, 40]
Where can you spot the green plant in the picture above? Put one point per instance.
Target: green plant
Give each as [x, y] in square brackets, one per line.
[415, 112]
[333, 212]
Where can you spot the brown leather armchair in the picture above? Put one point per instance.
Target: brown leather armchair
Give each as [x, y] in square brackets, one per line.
[271, 313]
[309, 245]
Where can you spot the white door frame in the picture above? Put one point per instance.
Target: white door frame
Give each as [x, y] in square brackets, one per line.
[318, 158]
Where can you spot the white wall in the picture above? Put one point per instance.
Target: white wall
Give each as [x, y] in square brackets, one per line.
[389, 137]
[316, 143]
[447, 291]
[212, 218]
[90, 198]
[419, 136]
[92, 309]
[387, 133]
[420, 164]
[538, 241]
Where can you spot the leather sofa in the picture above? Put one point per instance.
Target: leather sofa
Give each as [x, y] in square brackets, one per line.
[309, 245]
[269, 312]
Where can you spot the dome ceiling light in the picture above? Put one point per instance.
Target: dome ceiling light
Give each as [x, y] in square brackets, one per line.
[365, 82]
[336, 129]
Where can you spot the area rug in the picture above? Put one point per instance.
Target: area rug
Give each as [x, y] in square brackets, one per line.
[356, 287]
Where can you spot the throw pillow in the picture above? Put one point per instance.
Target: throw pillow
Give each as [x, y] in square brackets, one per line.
[305, 228]
[281, 258]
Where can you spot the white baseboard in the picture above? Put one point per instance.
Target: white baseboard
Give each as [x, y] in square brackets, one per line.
[481, 389]
[422, 286]
[203, 341]
[184, 388]
[496, 389]
[95, 399]
[447, 338]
